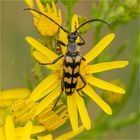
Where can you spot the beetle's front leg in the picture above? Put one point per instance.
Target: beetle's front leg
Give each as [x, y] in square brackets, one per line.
[54, 61]
[61, 43]
[81, 43]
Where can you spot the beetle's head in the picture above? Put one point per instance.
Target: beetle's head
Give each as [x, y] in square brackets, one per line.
[72, 37]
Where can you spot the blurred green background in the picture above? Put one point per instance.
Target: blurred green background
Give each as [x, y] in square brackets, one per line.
[16, 59]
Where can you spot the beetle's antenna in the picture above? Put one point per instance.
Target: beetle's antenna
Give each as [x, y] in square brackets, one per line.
[92, 20]
[30, 9]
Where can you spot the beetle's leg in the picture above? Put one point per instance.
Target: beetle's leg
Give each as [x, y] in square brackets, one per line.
[84, 82]
[81, 43]
[61, 43]
[83, 58]
[54, 61]
[62, 88]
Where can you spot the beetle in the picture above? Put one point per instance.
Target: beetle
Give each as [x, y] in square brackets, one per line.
[72, 58]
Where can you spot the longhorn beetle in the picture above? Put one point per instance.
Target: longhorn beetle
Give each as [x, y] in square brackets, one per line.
[72, 58]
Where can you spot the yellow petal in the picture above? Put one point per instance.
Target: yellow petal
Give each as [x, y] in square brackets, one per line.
[46, 83]
[40, 6]
[59, 14]
[26, 132]
[9, 129]
[48, 100]
[4, 103]
[2, 137]
[83, 111]
[104, 85]
[75, 25]
[40, 57]
[91, 93]
[12, 94]
[41, 48]
[48, 90]
[106, 66]
[70, 134]
[99, 47]
[29, 3]
[72, 110]
[37, 129]
[63, 38]
[48, 137]
[48, 8]
[54, 7]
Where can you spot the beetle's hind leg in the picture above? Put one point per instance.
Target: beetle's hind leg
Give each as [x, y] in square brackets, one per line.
[62, 89]
[84, 82]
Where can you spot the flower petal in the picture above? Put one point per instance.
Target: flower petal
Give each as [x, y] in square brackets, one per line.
[35, 129]
[9, 129]
[106, 66]
[47, 137]
[29, 3]
[99, 47]
[46, 83]
[48, 8]
[70, 134]
[48, 90]
[91, 93]
[2, 134]
[83, 111]
[40, 6]
[72, 110]
[54, 7]
[48, 100]
[38, 129]
[6, 103]
[26, 132]
[40, 57]
[104, 85]
[13, 94]
[41, 48]
[74, 25]
[63, 38]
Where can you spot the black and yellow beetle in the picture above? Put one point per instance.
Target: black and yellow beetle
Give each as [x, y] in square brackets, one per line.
[72, 58]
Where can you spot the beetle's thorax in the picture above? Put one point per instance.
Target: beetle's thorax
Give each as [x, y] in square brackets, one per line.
[72, 46]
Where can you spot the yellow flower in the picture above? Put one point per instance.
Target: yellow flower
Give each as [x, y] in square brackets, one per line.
[7, 97]
[65, 136]
[50, 89]
[24, 110]
[10, 132]
[44, 25]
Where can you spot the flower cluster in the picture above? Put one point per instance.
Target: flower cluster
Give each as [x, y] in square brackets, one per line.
[50, 87]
